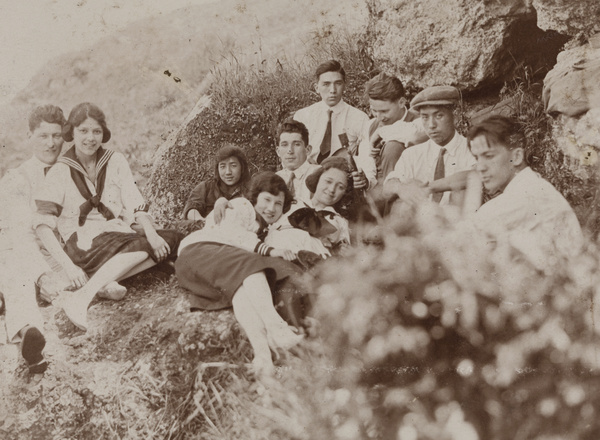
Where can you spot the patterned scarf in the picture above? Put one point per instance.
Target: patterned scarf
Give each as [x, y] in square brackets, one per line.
[78, 176]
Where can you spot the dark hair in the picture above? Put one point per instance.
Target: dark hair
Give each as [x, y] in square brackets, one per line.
[268, 181]
[228, 151]
[384, 87]
[501, 129]
[292, 126]
[79, 114]
[330, 66]
[46, 113]
[337, 162]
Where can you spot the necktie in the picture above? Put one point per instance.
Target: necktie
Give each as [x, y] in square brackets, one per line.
[439, 173]
[290, 184]
[325, 148]
[46, 170]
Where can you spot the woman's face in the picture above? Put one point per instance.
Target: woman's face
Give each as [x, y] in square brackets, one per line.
[331, 188]
[230, 171]
[88, 137]
[269, 206]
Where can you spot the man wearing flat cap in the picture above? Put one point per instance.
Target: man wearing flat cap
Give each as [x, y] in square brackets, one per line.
[438, 168]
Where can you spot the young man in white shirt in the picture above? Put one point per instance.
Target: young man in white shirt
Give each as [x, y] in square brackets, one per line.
[394, 127]
[525, 210]
[332, 124]
[293, 150]
[22, 264]
[436, 169]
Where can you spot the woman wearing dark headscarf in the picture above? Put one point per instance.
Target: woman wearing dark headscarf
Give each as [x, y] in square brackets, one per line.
[230, 180]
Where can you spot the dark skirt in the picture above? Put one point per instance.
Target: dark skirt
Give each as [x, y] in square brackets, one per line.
[213, 272]
[108, 244]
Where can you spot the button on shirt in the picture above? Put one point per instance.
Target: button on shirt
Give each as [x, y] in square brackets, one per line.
[344, 119]
[419, 162]
[301, 191]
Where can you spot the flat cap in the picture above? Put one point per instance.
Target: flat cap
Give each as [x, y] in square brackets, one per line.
[436, 95]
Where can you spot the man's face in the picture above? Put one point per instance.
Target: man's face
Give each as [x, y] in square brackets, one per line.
[331, 87]
[387, 112]
[46, 142]
[496, 164]
[438, 122]
[292, 151]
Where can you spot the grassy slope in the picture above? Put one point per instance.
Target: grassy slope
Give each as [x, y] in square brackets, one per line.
[124, 73]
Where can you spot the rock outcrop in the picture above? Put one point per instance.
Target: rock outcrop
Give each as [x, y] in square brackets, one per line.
[468, 43]
[572, 96]
[568, 17]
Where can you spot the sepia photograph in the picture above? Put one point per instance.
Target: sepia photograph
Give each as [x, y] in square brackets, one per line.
[300, 220]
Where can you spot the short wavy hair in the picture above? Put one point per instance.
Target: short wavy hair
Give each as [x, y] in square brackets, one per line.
[384, 87]
[268, 181]
[46, 113]
[292, 126]
[339, 163]
[330, 66]
[501, 129]
[79, 114]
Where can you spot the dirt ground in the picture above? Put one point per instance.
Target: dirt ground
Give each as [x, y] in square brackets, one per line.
[133, 374]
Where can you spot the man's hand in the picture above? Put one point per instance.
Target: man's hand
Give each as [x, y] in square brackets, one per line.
[160, 247]
[359, 180]
[286, 254]
[414, 192]
[220, 208]
[76, 276]
[376, 145]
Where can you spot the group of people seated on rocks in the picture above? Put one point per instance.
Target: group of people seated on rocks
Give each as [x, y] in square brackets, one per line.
[74, 225]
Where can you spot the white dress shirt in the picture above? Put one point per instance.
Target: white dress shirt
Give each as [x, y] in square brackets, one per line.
[344, 119]
[533, 217]
[301, 191]
[419, 162]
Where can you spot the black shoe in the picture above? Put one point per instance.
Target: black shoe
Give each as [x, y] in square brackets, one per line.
[32, 344]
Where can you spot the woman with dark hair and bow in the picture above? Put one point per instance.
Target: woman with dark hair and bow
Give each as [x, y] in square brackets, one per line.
[91, 198]
[315, 225]
[228, 264]
[231, 178]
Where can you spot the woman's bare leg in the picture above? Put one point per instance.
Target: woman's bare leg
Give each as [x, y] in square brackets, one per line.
[76, 303]
[255, 330]
[279, 333]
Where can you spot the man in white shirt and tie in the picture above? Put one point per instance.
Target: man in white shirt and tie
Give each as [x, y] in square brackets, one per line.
[436, 169]
[342, 123]
[293, 150]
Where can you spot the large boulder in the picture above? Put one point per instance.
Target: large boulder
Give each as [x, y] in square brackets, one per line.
[468, 43]
[572, 96]
[568, 17]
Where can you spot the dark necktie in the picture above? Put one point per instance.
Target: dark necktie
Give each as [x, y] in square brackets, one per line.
[325, 148]
[290, 184]
[439, 173]
[46, 170]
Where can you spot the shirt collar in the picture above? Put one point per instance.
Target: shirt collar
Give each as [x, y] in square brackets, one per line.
[451, 146]
[301, 170]
[38, 163]
[336, 108]
[310, 205]
[515, 181]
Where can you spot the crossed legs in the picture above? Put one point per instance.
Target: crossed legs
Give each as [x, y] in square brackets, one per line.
[253, 308]
[120, 266]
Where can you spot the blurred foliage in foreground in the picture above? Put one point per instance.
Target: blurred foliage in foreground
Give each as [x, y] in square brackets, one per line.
[438, 336]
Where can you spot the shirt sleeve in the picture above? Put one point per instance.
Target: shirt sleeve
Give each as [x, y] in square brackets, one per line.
[402, 171]
[51, 197]
[196, 200]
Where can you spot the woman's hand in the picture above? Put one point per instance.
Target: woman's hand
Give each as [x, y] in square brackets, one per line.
[76, 275]
[286, 254]
[160, 247]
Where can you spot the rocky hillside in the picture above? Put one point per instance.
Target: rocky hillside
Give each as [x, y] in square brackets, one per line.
[149, 76]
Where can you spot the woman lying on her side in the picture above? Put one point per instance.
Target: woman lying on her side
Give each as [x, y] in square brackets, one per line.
[228, 265]
[90, 196]
[231, 177]
[315, 225]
